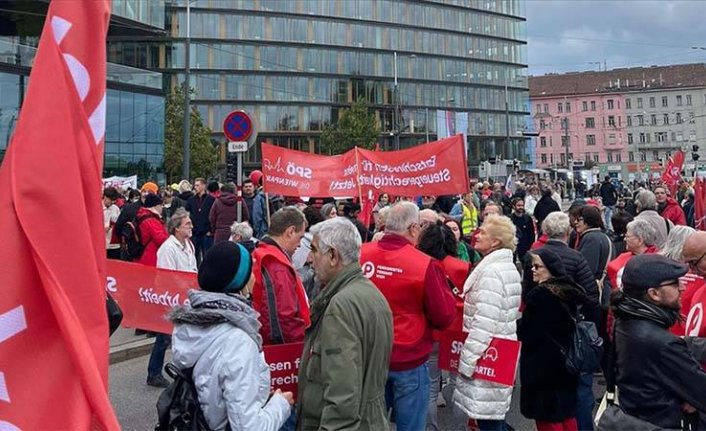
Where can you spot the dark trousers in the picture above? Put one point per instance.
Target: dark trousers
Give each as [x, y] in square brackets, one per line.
[201, 245]
[156, 363]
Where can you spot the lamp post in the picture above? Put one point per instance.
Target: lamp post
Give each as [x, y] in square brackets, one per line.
[187, 97]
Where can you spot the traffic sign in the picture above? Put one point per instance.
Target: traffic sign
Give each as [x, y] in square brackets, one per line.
[238, 147]
[237, 126]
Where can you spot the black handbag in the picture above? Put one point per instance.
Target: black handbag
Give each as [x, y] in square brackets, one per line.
[115, 314]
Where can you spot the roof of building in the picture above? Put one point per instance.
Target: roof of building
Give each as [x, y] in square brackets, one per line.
[619, 80]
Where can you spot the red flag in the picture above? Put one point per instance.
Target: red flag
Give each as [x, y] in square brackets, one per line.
[699, 204]
[672, 172]
[53, 324]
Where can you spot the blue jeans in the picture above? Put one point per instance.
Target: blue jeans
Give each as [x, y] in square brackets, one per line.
[161, 344]
[585, 401]
[407, 393]
[607, 215]
[434, 388]
[291, 423]
[201, 245]
[491, 425]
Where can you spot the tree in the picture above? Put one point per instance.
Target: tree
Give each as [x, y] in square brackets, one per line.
[355, 127]
[204, 155]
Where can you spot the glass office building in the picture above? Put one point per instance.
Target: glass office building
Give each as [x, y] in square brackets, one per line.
[294, 64]
[134, 141]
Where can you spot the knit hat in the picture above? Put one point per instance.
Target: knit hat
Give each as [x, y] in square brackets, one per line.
[226, 268]
[650, 270]
[552, 261]
[149, 187]
[152, 200]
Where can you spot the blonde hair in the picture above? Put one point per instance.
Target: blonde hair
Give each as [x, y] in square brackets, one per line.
[502, 229]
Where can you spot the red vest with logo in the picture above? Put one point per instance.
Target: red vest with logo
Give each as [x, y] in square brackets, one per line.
[262, 254]
[399, 275]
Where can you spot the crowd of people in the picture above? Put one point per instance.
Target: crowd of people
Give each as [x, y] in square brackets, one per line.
[368, 296]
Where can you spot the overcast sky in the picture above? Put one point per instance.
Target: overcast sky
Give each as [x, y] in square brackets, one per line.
[564, 36]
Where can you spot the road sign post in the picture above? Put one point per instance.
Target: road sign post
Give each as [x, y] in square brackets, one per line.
[238, 128]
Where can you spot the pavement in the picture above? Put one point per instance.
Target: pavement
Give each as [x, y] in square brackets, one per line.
[125, 345]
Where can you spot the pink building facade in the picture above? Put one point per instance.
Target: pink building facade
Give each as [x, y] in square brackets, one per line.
[593, 125]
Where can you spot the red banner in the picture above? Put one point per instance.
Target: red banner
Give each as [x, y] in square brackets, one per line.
[284, 360]
[145, 294]
[498, 364]
[672, 172]
[699, 204]
[435, 168]
[695, 325]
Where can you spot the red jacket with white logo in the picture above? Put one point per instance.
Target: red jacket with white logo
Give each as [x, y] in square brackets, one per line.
[278, 295]
[416, 289]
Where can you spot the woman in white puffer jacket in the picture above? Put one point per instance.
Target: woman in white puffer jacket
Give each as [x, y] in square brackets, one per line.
[492, 300]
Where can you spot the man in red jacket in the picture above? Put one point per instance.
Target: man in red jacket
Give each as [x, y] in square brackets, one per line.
[668, 207]
[278, 294]
[414, 285]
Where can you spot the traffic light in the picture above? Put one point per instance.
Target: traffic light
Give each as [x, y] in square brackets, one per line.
[695, 155]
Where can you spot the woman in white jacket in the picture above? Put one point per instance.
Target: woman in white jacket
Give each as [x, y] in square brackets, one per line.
[492, 299]
[218, 335]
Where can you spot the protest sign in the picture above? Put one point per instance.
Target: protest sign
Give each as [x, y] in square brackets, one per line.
[498, 364]
[435, 168]
[284, 361]
[146, 294]
[121, 182]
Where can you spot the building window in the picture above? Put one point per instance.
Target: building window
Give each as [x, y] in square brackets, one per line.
[665, 103]
[629, 120]
[610, 157]
[639, 102]
[679, 119]
[593, 105]
[595, 157]
[560, 107]
[610, 103]
[567, 105]
[551, 158]
[679, 101]
[544, 158]
[565, 141]
[674, 136]
[630, 139]
[585, 106]
[653, 119]
[546, 108]
[640, 120]
[648, 136]
[562, 158]
[542, 141]
[652, 102]
[590, 139]
[692, 136]
[642, 138]
[611, 121]
[542, 125]
[628, 104]
[611, 139]
[688, 100]
[538, 109]
[631, 156]
[590, 123]
[661, 136]
[643, 156]
[680, 137]
[655, 155]
[666, 118]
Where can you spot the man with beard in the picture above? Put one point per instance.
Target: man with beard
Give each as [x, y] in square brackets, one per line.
[347, 347]
[525, 228]
[659, 378]
[668, 208]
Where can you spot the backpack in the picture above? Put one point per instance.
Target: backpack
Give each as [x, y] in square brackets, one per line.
[130, 238]
[586, 349]
[178, 407]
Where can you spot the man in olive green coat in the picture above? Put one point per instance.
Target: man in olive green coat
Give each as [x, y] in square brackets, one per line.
[347, 348]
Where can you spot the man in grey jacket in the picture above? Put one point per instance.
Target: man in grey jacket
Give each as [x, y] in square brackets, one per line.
[347, 348]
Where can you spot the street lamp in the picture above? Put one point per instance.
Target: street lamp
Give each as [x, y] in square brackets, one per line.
[187, 96]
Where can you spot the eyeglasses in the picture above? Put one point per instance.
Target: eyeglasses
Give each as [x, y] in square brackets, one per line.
[672, 283]
[693, 264]
[537, 266]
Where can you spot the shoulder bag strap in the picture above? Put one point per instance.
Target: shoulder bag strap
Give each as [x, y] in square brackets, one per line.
[611, 370]
[276, 333]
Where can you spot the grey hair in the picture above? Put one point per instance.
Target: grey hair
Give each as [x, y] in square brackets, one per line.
[243, 230]
[643, 230]
[326, 209]
[674, 246]
[401, 216]
[556, 225]
[645, 200]
[176, 219]
[339, 234]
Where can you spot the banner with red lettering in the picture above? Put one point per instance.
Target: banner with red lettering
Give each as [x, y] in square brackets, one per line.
[498, 364]
[435, 168]
[672, 172]
[145, 294]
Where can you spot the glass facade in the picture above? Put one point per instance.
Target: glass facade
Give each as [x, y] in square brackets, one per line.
[294, 64]
[149, 12]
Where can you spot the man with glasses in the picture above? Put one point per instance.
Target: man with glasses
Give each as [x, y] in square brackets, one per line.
[659, 377]
[415, 287]
[694, 253]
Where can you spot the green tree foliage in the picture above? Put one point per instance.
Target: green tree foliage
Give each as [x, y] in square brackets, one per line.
[204, 155]
[355, 127]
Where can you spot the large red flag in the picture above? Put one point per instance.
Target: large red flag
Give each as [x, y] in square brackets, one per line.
[53, 325]
[672, 172]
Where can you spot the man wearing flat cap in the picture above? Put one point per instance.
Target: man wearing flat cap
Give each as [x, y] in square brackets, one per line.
[659, 377]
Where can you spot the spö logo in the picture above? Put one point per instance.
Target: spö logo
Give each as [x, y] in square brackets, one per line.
[368, 269]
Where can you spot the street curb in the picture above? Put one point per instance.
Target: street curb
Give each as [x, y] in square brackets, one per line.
[131, 350]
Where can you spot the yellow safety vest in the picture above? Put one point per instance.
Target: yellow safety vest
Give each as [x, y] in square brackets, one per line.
[469, 222]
